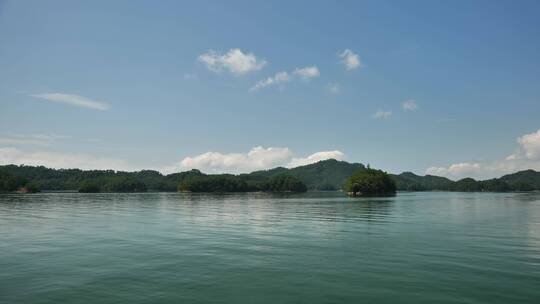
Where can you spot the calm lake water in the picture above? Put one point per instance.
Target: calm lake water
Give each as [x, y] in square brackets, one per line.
[262, 248]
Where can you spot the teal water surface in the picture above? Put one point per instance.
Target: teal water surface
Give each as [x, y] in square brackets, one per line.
[260, 248]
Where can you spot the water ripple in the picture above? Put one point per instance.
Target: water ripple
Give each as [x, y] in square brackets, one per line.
[262, 248]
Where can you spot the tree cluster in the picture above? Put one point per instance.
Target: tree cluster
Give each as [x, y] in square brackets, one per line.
[328, 175]
[214, 183]
[521, 181]
[11, 183]
[370, 182]
[231, 183]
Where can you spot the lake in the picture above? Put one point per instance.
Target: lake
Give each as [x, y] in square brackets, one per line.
[431, 247]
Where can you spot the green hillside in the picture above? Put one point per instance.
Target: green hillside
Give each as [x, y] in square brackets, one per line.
[324, 175]
[328, 174]
[408, 181]
[523, 178]
[527, 180]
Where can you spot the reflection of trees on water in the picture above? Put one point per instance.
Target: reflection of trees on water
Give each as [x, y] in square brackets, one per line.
[527, 197]
[340, 208]
[372, 209]
[276, 208]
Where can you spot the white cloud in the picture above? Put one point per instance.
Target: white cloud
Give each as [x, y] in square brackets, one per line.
[258, 158]
[530, 145]
[457, 170]
[526, 156]
[307, 72]
[279, 78]
[315, 157]
[350, 60]
[334, 88]
[409, 105]
[381, 114]
[11, 155]
[74, 100]
[217, 162]
[30, 139]
[235, 61]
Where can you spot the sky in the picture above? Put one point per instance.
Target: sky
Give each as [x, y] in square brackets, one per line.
[449, 88]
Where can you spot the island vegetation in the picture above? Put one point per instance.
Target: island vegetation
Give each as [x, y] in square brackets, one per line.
[327, 175]
[13, 183]
[214, 183]
[282, 182]
[370, 182]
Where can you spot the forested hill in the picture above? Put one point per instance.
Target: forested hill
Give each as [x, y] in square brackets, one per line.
[328, 174]
[523, 179]
[324, 175]
[412, 182]
[527, 180]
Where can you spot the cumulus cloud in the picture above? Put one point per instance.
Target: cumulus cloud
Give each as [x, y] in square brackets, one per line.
[457, 170]
[409, 105]
[258, 158]
[307, 72]
[315, 157]
[12, 155]
[350, 60]
[74, 100]
[526, 156]
[381, 114]
[530, 146]
[279, 78]
[235, 61]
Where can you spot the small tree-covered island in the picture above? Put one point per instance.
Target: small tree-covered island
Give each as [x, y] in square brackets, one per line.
[370, 182]
[329, 175]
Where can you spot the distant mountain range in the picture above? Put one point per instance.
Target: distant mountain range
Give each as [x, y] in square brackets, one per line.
[527, 180]
[324, 175]
[331, 175]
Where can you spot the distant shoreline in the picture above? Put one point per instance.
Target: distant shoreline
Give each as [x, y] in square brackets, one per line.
[256, 192]
[326, 175]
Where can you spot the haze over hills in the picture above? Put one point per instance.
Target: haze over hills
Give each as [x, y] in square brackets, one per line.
[324, 175]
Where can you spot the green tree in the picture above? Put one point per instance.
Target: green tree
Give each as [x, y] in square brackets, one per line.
[124, 184]
[522, 186]
[285, 182]
[213, 183]
[89, 186]
[467, 185]
[10, 182]
[494, 185]
[370, 182]
[30, 188]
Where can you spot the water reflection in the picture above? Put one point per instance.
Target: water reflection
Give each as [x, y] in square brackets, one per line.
[286, 248]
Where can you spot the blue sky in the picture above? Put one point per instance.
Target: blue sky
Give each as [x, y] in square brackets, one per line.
[172, 85]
